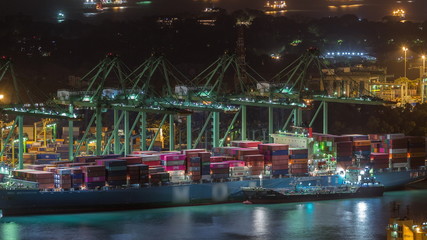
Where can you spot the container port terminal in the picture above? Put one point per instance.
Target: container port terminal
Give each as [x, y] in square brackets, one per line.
[124, 161]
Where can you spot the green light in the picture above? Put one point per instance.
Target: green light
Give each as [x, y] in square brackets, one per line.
[204, 94]
[143, 2]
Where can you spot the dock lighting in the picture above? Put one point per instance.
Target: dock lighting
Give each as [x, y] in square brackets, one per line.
[1, 96]
[423, 72]
[405, 49]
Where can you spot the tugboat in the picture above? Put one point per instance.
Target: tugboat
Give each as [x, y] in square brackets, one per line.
[366, 187]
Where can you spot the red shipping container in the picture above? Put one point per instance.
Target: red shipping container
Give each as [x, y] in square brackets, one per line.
[257, 157]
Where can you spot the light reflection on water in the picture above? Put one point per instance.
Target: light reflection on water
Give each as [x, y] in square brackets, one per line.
[337, 219]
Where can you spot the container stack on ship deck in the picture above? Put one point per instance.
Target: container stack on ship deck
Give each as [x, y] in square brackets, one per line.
[94, 176]
[298, 161]
[344, 151]
[416, 151]
[276, 156]
[398, 152]
[174, 164]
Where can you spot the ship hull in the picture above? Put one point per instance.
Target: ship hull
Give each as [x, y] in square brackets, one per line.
[30, 202]
[270, 196]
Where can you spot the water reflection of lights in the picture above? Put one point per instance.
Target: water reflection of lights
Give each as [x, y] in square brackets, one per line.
[361, 209]
[333, 7]
[90, 14]
[260, 220]
[10, 230]
[276, 13]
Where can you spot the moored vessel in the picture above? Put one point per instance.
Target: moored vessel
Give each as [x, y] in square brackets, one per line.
[265, 195]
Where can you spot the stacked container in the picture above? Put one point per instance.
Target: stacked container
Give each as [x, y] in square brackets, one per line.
[219, 170]
[131, 160]
[379, 160]
[298, 161]
[238, 168]
[150, 160]
[63, 151]
[344, 151]
[205, 162]
[223, 151]
[137, 174]
[276, 157]
[217, 159]
[86, 159]
[378, 143]
[44, 179]
[398, 152]
[159, 178]
[416, 151]
[94, 176]
[255, 163]
[47, 157]
[362, 151]
[173, 162]
[29, 158]
[194, 168]
[245, 144]
[155, 169]
[115, 171]
[239, 153]
[76, 177]
[63, 178]
[193, 163]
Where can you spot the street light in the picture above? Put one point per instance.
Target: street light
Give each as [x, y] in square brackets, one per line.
[405, 49]
[424, 66]
[423, 72]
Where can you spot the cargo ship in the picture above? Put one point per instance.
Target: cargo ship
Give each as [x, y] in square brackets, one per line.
[149, 179]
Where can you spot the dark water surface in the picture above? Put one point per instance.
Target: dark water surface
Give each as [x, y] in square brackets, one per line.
[370, 9]
[338, 219]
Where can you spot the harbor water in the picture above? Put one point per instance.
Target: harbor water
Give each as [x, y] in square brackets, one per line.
[364, 218]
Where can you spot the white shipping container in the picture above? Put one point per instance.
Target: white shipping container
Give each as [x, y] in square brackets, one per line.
[178, 173]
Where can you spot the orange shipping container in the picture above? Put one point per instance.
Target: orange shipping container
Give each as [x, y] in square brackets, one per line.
[362, 143]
